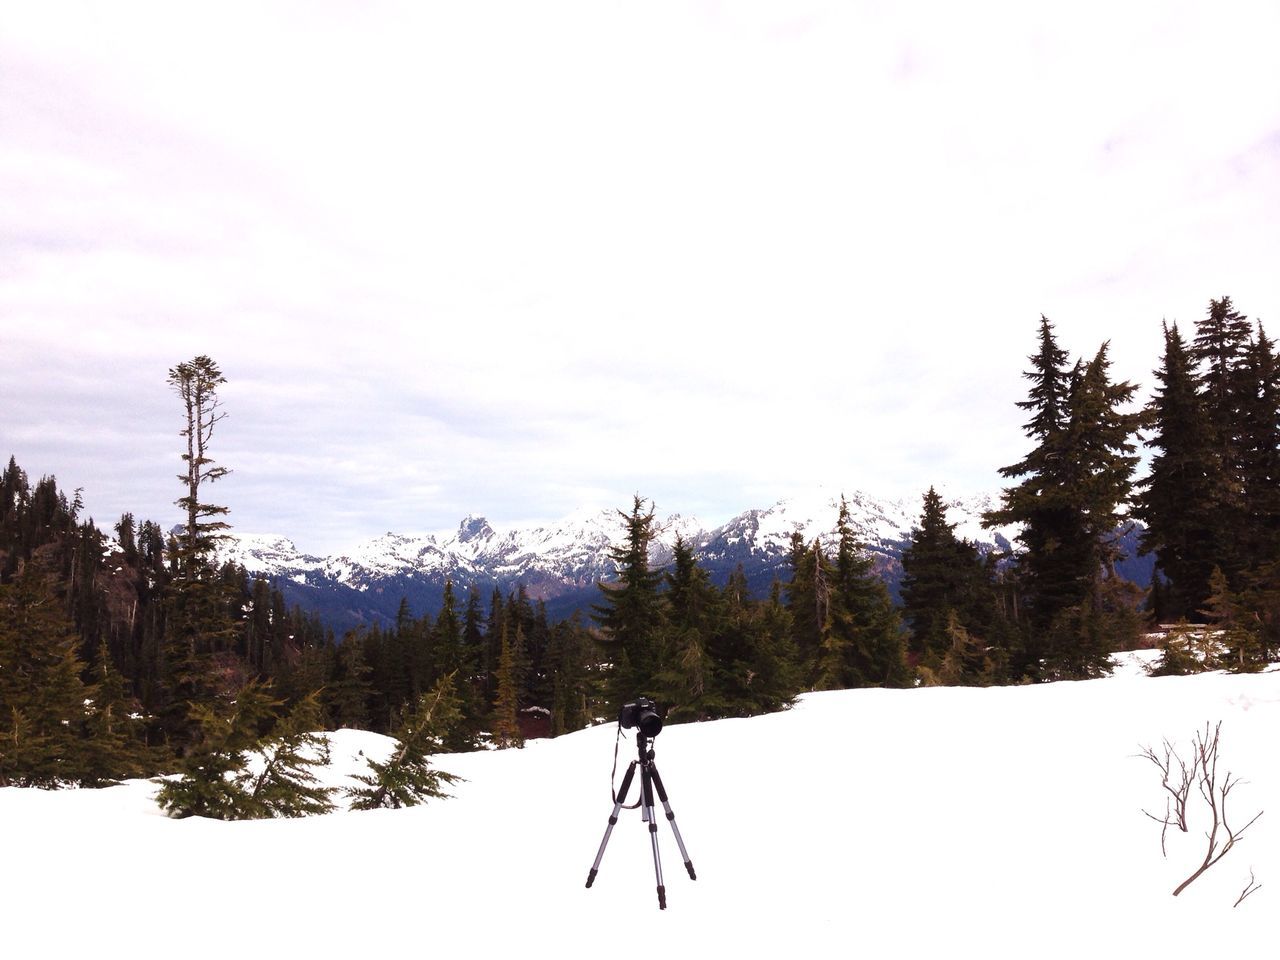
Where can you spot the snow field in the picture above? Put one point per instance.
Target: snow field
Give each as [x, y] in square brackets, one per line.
[1003, 822]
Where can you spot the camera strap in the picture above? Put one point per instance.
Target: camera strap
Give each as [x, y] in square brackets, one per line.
[613, 775]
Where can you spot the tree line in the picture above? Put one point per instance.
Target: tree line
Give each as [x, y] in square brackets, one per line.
[130, 657]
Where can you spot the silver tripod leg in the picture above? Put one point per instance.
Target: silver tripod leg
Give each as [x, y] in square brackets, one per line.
[613, 820]
[671, 818]
[646, 788]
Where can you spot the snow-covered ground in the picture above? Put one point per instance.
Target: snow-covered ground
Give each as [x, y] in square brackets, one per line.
[924, 823]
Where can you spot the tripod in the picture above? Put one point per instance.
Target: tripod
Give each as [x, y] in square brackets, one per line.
[649, 781]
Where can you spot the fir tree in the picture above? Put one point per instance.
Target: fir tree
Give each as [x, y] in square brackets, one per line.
[1175, 500]
[198, 615]
[808, 603]
[1220, 349]
[1074, 485]
[686, 684]
[632, 615]
[967, 661]
[115, 732]
[864, 645]
[753, 653]
[285, 785]
[571, 656]
[350, 691]
[1240, 644]
[42, 699]
[407, 778]
[504, 725]
[1260, 450]
[215, 766]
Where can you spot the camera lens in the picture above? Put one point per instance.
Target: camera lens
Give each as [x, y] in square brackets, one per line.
[650, 723]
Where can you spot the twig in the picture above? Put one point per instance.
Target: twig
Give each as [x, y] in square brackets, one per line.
[1251, 887]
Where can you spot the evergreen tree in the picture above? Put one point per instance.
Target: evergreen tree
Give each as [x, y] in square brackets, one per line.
[1220, 349]
[42, 699]
[1239, 644]
[864, 645]
[407, 778]
[570, 654]
[809, 603]
[196, 383]
[632, 615]
[1068, 503]
[1260, 450]
[1176, 499]
[686, 684]
[1050, 535]
[199, 623]
[115, 733]
[285, 785]
[967, 661]
[504, 726]
[350, 691]
[216, 764]
[753, 653]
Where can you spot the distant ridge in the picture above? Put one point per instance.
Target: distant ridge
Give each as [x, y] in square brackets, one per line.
[561, 563]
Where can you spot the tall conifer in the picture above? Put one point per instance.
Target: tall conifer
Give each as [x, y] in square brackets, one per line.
[632, 615]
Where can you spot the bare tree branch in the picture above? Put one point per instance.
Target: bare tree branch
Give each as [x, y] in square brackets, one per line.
[1251, 887]
[1215, 795]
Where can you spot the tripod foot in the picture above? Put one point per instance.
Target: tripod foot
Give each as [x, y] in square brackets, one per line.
[591, 878]
[662, 898]
[688, 865]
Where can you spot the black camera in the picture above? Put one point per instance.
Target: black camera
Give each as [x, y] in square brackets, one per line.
[643, 714]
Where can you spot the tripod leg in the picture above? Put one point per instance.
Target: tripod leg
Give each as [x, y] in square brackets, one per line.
[671, 818]
[646, 788]
[613, 819]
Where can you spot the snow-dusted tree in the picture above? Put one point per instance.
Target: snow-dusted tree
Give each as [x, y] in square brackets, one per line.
[407, 778]
[285, 784]
[216, 765]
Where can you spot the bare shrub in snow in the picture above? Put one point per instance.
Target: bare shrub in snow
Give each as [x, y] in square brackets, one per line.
[1214, 789]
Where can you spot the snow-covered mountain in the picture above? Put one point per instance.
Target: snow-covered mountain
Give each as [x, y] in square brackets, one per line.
[561, 563]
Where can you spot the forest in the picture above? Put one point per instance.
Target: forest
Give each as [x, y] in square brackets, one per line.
[137, 653]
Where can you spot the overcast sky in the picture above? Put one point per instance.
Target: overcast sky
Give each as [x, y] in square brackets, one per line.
[514, 259]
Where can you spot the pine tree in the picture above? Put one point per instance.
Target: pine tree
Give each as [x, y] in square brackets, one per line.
[215, 766]
[1260, 450]
[571, 656]
[115, 747]
[967, 661]
[285, 784]
[1221, 349]
[350, 691]
[407, 778]
[1074, 485]
[632, 615]
[1175, 502]
[864, 645]
[196, 383]
[1238, 637]
[42, 699]
[504, 725]
[687, 684]
[808, 603]
[198, 608]
[753, 652]
[1050, 562]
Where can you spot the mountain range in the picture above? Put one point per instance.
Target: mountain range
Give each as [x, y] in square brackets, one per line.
[562, 563]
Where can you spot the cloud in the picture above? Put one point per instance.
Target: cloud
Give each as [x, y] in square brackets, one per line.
[513, 258]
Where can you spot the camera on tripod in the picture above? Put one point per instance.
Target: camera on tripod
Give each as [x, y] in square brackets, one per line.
[642, 714]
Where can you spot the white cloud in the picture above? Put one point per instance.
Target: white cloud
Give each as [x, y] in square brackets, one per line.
[531, 254]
